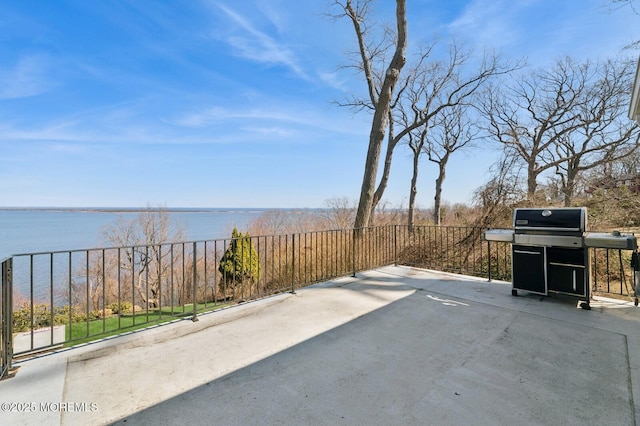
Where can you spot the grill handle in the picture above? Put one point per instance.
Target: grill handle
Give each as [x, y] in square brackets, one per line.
[546, 228]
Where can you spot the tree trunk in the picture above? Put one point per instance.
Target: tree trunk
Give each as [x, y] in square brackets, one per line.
[532, 183]
[437, 199]
[442, 174]
[381, 121]
[414, 189]
[570, 186]
[365, 205]
[391, 144]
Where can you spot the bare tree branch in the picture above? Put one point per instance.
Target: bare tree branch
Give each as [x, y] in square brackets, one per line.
[381, 90]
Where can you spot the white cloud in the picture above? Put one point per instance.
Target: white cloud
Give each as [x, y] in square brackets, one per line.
[200, 119]
[544, 31]
[219, 114]
[334, 80]
[28, 77]
[69, 148]
[257, 45]
[284, 120]
[490, 22]
[274, 131]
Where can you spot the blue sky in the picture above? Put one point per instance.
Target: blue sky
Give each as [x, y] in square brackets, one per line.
[231, 103]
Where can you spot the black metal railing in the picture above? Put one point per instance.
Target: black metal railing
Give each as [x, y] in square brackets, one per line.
[6, 318]
[69, 297]
[63, 298]
[612, 272]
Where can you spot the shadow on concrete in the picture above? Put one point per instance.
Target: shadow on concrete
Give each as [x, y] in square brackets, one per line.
[428, 358]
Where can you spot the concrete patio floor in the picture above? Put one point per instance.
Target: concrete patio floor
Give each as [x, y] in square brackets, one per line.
[395, 345]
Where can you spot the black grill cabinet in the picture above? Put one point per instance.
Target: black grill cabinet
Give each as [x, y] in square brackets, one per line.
[550, 250]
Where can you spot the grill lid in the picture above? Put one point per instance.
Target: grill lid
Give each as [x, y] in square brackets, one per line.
[563, 220]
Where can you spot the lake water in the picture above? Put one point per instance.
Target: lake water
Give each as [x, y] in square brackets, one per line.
[38, 230]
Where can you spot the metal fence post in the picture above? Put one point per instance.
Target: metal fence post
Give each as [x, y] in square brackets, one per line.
[395, 244]
[195, 284]
[353, 252]
[6, 319]
[293, 263]
[489, 262]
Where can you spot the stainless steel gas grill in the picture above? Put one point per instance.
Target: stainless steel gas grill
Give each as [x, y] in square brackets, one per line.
[550, 250]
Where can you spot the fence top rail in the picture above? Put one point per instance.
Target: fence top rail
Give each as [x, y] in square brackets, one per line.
[164, 243]
[201, 241]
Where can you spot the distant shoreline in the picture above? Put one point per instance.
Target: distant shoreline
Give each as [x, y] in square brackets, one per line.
[164, 209]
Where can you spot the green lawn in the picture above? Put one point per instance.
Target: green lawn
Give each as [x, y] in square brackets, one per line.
[82, 332]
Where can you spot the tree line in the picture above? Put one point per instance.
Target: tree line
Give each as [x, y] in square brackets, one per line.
[563, 130]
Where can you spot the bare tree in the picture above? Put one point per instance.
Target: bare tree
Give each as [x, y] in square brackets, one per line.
[380, 87]
[142, 252]
[604, 134]
[628, 5]
[426, 89]
[628, 165]
[272, 222]
[562, 117]
[431, 92]
[453, 131]
[340, 214]
[616, 4]
[503, 190]
[408, 118]
[416, 144]
[611, 193]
